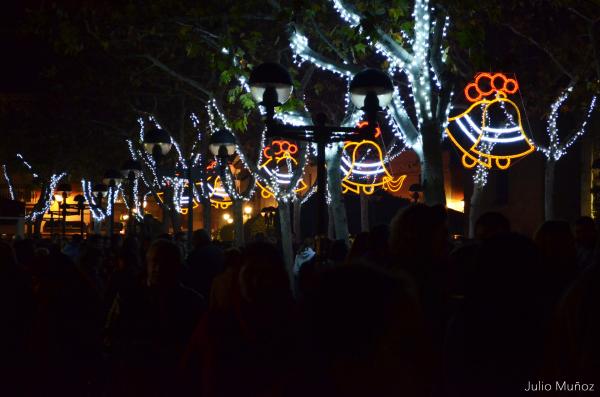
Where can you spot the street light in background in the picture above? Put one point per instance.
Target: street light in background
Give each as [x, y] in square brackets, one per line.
[157, 143]
[61, 198]
[131, 170]
[222, 144]
[112, 178]
[370, 91]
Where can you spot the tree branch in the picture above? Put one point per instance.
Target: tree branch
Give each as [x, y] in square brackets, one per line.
[168, 70]
[562, 68]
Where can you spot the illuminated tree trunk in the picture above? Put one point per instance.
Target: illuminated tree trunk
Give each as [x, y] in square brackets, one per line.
[175, 220]
[549, 193]
[238, 223]
[297, 226]
[432, 166]
[364, 212]
[475, 207]
[285, 227]
[334, 181]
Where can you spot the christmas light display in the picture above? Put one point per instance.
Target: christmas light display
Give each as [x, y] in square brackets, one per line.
[11, 191]
[279, 165]
[490, 133]
[555, 148]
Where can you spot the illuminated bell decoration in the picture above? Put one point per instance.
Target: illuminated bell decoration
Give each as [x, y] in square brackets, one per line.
[364, 168]
[219, 198]
[490, 132]
[277, 155]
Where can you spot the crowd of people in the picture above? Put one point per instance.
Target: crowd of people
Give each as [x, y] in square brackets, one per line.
[401, 310]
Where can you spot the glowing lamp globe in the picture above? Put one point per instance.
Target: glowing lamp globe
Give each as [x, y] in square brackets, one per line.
[371, 81]
[222, 139]
[270, 75]
[157, 139]
[130, 166]
[112, 177]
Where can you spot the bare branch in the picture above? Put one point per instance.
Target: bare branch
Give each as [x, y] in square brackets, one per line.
[543, 48]
[168, 70]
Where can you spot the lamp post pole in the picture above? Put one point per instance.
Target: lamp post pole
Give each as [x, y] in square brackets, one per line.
[271, 86]
[63, 208]
[321, 140]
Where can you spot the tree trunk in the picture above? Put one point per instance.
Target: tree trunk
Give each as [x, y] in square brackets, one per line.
[175, 220]
[285, 225]
[549, 173]
[338, 208]
[238, 223]
[331, 224]
[97, 227]
[364, 212]
[297, 226]
[165, 219]
[475, 208]
[206, 219]
[432, 165]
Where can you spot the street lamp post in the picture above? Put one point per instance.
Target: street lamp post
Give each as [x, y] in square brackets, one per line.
[157, 144]
[370, 90]
[222, 145]
[65, 189]
[131, 170]
[112, 178]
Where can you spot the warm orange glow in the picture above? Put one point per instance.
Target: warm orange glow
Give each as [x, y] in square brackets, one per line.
[497, 82]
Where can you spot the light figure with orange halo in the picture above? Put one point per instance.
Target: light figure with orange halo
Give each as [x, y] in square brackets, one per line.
[365, 176]
[490, 132]
[279, 165]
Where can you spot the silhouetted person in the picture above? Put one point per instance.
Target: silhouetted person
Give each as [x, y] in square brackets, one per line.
[419, 241]
[359, 247]
[494, 343]
[16, 308]
[586, 236]
[154, 332]
[491, 224]
[248, 349]
[379, 250]
[559, 255]
[65, 338]
[573, 348]
[366, 337]
[203, 263]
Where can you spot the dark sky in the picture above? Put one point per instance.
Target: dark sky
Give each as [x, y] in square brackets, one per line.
[22, 56]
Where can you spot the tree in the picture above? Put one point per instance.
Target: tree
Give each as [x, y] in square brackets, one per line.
[421, 57]
[557, 147]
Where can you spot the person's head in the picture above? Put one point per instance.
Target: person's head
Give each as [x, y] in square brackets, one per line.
[263, 278]
[556, 243]
[338, 251]
[200, 238]
[419, 234]
[359, 247]
[491, 224]
[7, 256]
[164, 263]
[585, 232]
